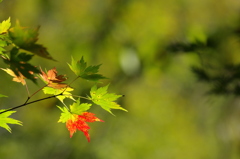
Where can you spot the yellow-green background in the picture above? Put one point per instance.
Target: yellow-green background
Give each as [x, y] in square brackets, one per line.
[169, 115]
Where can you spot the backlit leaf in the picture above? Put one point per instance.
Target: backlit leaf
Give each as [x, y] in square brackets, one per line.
[5, 120]
[106, 100]
[79, 122]
[65, 92]
[65, 115]
[20, 78]
[77, 108]
[5, 25]
[53, 80]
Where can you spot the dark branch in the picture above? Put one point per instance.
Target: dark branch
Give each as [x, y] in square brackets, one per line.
[22, 105]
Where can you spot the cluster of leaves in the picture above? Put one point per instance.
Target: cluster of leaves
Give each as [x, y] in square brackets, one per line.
[17, 47]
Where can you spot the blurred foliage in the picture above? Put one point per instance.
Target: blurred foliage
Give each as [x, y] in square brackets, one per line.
[154, 52]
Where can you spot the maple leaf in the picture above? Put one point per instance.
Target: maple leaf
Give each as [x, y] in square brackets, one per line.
[64, 91]
[5, 25]
[5, 120]
[77, 108]
[20, 67]
[65, 115]
[89, 73]
[106, 100]
[52, 79]
[20, 78]
[76, 118]
[79, 123]
[26, 38]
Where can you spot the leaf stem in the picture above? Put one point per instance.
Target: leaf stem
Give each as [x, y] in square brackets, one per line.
[80, 97]
[27, 89]
[30, 96]
[70, 83]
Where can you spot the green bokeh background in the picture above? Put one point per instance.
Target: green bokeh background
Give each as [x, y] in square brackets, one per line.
[169, 115]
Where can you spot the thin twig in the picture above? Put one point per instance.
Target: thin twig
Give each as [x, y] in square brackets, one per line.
[70, 83]
[79, 96]
[27, 88]
[22, 105]
[30, 96]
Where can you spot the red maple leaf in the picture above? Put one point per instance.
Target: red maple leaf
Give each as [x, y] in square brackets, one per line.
[79, 123]
[53, 80]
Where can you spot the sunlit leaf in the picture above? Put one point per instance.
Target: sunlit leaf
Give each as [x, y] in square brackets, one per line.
[77, 108]
[5, 120]
[106, 100]
[65, 92]
[20, 78]
[65, 115]
[78, 122]
[53, 80]
[5, 25]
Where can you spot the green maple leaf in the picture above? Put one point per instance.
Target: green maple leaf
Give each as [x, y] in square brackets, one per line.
[23, 37]
[81, 69]
[65, 92]
[26, 38]
[101, 97]
[5, 25]
[5, 120]
[65, 115]
[77, 108]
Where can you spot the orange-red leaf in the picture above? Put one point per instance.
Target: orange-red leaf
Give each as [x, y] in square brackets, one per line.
[52, 79]
[79, 123]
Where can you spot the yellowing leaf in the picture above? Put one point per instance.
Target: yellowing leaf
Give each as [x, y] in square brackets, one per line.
[20, 78]
[5, 120]
[5, 25]
[65, 92]
[53, 80]
[65, 115]
[106, 100]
